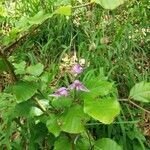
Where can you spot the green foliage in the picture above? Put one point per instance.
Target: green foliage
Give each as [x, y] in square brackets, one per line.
[53, 125]
[24, 90]
[73, 120]
[112, 48]
[98, 88]
[141, 92]
[35, 70]
[109, 4]
[63, 142]
[20, 68]
[102, 109]
[64, 10]
[62, 102]
[106, 144]
[3, 66]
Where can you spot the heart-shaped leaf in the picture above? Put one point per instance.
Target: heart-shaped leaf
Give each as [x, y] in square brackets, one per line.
[24, 90]
[109, 4]
[35, 70]
[104, 110]
[141, 92]
[73, 120]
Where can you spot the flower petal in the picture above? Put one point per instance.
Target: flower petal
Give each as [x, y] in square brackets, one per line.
[77, 68]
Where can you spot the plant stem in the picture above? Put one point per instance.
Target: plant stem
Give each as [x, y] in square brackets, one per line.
[41, 106]
[9, 65]
[136, 105]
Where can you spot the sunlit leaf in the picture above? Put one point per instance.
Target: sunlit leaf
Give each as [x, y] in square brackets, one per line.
[109, 4]
[104, 110]
[106, 144]
[35, 70]
[72, 121]
[141, 92]
[20, 67]
[98, 88]
[64, 10]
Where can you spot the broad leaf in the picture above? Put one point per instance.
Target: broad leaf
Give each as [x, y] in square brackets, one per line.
[27, 109]
[35, 70]
[98, 88]
[141, 92]
[62, 102]
[53, 125]
[24, 90]
[20, 68]
[106, 144]
[109, 4]
[72, 121]
[64, 10]
[23, 109]
[83, 143]
[104, 110]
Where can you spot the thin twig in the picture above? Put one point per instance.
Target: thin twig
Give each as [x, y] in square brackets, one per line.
[136, 105]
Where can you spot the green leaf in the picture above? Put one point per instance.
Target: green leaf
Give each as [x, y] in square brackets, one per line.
[39, 18]
[35, 70]
[53, 125]
[72, 121]
[83, 143]
[63, 143]
[104, 110]
[62, 102]
[23, 109]
[20, 68]
[109, 4]
[64, 10]
[141, 92]
[106, 144]
[3, 66]
[98, 88]
[27, 109]
[24, 90]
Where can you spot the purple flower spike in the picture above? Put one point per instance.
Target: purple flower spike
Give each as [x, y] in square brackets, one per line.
[78, 86]
[77, 69]
[60, 92]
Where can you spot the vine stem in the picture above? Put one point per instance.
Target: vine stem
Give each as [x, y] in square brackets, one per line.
[9, 65]
[136, 105]
[41, 106]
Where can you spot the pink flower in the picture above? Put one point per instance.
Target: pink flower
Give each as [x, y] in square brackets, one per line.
[77, 69]
[60, 92]
[78, 86]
